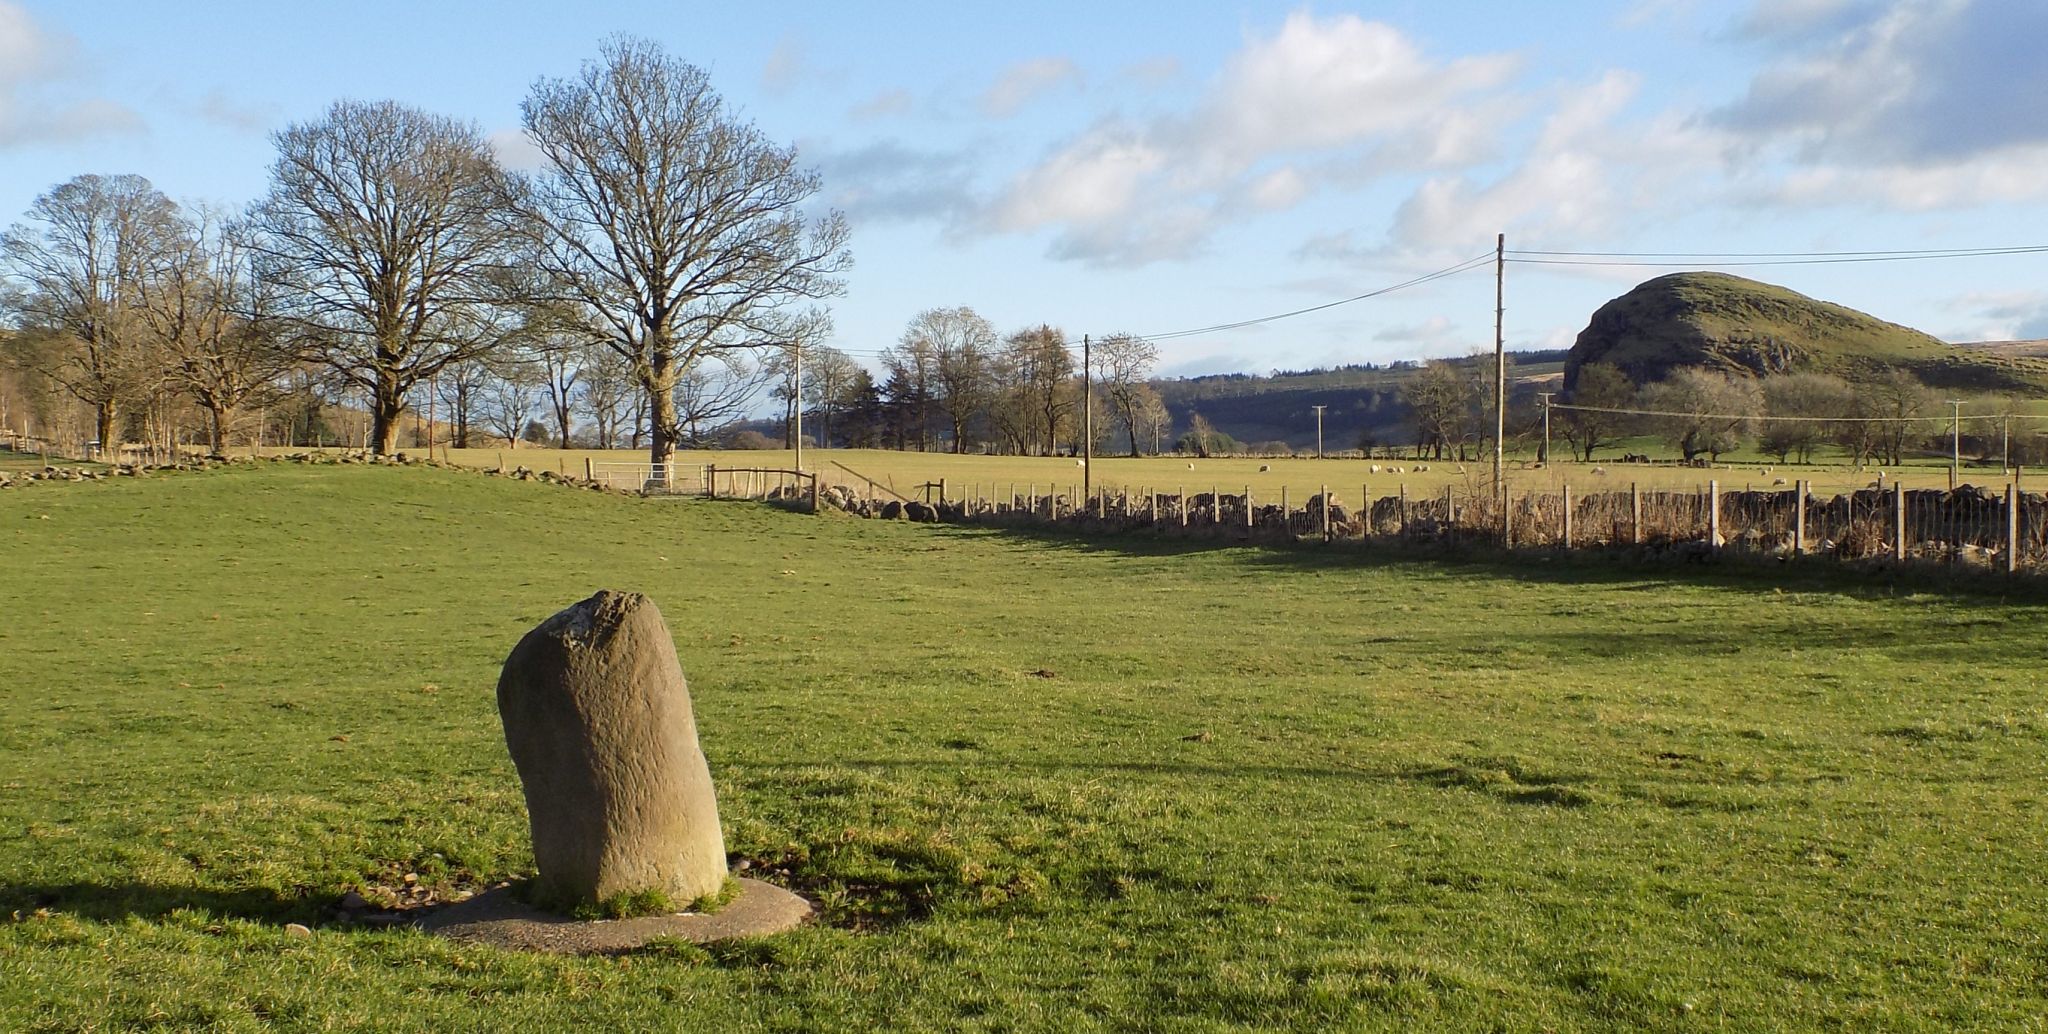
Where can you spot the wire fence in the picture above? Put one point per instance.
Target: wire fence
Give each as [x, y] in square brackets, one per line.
[1999, 528]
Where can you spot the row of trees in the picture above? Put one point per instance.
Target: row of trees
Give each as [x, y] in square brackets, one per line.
[663, 253]
[951, 381]
[1789, 416]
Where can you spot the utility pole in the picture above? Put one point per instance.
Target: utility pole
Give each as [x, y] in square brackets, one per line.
[1155, 432]
[1543, 455]
[798, 401]
[1500, 366]
[1955, 454]
[2005, 434]
[1319, 429]
[1087, 416]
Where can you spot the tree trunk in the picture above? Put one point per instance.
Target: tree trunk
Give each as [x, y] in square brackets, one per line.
[219, 428]
[105, 419]
[662, 421]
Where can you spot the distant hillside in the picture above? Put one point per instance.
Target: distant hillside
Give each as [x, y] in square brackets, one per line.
[1360, 400]
[1731, 323]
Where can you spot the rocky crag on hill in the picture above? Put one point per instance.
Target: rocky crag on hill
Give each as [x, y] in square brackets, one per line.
[1725, 322]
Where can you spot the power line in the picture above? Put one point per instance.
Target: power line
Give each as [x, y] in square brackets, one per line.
[1453, 270]
[1462, 267]
[1757, 258]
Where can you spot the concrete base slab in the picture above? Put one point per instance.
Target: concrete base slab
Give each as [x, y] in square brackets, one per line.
[500, 919]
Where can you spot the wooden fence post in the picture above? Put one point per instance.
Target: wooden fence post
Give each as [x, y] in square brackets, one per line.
[589, 467]
[1567, 518]
[1247, 506]
[1799, 517]
[1714, 514]
[711, 481]
[1404, 509]
[1183, 506]
[1635, 513]
[1899, 520]
[1286, 518]
[1326, 513]
[2012, 530]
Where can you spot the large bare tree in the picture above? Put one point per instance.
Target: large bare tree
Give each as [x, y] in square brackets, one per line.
[680, 226]
[952, 351]
[83, 265]
[213, 321]
[1125, 361]
[389, 231]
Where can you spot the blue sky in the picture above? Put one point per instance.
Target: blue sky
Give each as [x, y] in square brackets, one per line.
[1149, 167]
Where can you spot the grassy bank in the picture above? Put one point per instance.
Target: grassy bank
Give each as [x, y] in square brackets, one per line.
[1034, 784]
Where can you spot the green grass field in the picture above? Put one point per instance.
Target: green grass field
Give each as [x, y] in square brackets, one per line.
[1035, 783]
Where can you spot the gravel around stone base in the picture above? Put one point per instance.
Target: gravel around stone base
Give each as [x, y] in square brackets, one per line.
[500, 919]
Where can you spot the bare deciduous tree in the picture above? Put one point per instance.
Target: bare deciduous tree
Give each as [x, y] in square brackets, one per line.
[83, 268]
[952, 350]
[1124, 362]
[1044, 371]
[213, 320]
[678, 225]
[387, 230]
[1599, 386]
[829, 379]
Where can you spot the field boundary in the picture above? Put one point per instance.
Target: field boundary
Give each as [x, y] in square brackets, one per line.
[2004, 530]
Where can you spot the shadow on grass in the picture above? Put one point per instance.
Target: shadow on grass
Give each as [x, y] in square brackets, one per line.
[112, 902]
[1610, 566]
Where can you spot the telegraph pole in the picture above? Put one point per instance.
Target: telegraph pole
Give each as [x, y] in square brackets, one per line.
[1543, 455]
[1319, 429]
[1500, 365]
[1087, 416]
[798, 401]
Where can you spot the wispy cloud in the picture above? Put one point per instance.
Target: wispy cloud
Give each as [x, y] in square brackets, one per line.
[33, 68]
[1026, 81]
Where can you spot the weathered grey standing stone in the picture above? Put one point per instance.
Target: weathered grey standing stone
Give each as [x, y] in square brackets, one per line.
[597, 717]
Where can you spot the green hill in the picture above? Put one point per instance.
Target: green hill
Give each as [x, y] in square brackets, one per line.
[1731, 323]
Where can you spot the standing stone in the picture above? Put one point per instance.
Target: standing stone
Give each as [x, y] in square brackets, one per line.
[597, 718]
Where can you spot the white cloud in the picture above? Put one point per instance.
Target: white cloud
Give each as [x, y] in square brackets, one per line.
[1093, 179]
[785, 66]
[1282, 188]
[2000, 316]
[1319, 101]
[1319, 84]
[1024, 82]
[220, 109]
[883, 105]
[1576, 178]
[32, 61]
[1935, 82]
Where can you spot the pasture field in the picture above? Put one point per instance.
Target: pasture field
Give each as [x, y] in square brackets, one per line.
[1301, 476]
[1035, 783]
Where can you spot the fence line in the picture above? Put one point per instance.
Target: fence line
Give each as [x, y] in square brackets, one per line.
[1997, 529]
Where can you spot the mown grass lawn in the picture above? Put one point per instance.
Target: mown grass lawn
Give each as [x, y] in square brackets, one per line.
[1036, 784]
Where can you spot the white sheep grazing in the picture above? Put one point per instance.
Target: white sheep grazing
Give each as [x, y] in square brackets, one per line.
[1422, 468]
[1080, 463]
[1191, 466]
[1375, 468]
[1599, 470]
[1395, 470]
[1265, 468]
[1777, 481]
